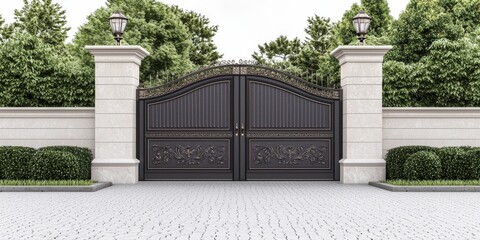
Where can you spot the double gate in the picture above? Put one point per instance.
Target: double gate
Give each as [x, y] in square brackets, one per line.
[239, 122]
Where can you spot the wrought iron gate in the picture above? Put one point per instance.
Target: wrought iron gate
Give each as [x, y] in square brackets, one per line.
[239, 122]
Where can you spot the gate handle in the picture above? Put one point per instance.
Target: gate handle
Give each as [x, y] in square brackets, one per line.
[236, 129]
[242, 130]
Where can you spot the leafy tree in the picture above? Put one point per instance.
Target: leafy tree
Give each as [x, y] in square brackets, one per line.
[314, 57]
[422, 23]
[345, 30]
[311, 57]
[278, 51]
[381, 18]
[36, 74]
[203, 51]
[2, 27]
[43, 19]
[451, 74]
[319, 41]
[400, 85]
[465, 13]
[158, 28]
[381, 22]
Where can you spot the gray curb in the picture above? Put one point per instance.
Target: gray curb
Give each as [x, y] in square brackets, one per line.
[92, 188]
[394, 188]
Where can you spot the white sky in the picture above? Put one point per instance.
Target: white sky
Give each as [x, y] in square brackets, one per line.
[242, 24]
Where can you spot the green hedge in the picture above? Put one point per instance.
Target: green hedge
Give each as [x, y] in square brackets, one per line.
[48, 163]
[457, 163]
[423, 165]
[473, 157]
[84, 157]
[54, 165]
[14, 162]
[396, 158]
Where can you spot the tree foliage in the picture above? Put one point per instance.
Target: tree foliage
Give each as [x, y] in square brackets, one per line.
[278, 51]
[43, 19]
[36, 74]
[203, 50]
[36, 69]
[176, 39]
[39, 70]
[435, 58]
[423, 22]
[311, 57]
[381, 22]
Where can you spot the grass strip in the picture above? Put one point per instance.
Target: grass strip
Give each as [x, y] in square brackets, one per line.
[434, 182]
[46, 182]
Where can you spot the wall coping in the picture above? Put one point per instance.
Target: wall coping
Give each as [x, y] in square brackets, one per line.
[118, 54]
[360, 54]
[431, 112]
[47, 112]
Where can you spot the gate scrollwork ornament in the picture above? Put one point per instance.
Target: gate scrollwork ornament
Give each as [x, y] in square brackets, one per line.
[246, 67]
[186, 155]
[290, 155]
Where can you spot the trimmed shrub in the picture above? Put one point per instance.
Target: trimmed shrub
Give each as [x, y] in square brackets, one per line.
[84, 157]
[396, 158]
[423, 165]
[14, 162]
[455, 162]
[473, 157]
[54, 165]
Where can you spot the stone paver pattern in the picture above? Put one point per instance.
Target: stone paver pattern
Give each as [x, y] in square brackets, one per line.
[240, 210]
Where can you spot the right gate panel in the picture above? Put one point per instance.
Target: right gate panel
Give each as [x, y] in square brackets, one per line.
[290, 134]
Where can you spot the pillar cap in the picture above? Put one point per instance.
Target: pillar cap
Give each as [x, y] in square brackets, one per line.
[118, 53]
[360, 54]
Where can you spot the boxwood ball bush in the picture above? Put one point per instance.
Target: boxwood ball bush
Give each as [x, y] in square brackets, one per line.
[14, 162]
[396, 158]
[455, 162]
[84, 157]
[423, 165]
[54, 165]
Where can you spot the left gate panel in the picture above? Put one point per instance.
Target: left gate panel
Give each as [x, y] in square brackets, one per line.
[188, 134]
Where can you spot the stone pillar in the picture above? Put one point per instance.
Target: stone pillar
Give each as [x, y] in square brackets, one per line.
[361, 81]
[116, 80]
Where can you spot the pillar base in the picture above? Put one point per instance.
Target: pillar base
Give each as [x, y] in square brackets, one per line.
[116, 171]
[359, 171]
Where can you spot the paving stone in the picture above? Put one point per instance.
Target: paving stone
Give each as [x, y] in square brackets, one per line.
[239, 210]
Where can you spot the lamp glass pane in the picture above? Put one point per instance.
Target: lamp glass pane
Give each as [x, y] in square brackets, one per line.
[363, 26]
[116, 25]
[123, 25]
[355, 25]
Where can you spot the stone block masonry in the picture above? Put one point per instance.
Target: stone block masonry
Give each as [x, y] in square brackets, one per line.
[361, 81]
[117, 73]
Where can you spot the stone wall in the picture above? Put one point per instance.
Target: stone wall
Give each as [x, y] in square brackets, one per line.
[40, 127]
[435, 127]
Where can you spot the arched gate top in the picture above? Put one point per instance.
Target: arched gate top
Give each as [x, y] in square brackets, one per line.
[239, 69]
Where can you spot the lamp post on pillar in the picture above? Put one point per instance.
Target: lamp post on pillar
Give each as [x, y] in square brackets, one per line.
[361, 81]
[116, 81]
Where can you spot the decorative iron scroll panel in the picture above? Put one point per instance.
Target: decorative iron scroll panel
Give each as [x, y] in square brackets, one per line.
[290, 154]
[188, 154]
[239, 122]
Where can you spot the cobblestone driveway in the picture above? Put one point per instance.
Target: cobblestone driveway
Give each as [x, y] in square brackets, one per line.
[240, 210]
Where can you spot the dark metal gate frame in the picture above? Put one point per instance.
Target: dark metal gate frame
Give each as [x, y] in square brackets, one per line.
[241, 76]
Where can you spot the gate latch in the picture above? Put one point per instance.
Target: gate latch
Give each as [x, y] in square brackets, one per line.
[236, 129]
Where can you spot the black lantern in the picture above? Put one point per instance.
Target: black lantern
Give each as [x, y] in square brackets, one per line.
[118, 22]
[361, 22]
